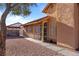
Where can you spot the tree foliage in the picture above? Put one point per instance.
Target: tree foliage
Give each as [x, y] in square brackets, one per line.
[15, 9]
[19, 8]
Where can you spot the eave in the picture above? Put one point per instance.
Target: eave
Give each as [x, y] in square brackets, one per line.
[37, 21]
[46, 8]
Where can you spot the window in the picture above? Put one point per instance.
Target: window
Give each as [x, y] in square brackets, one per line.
[29, 29]
[37, 29]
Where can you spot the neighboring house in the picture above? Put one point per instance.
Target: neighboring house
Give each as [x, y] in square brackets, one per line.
[61, 25]
[14, 29]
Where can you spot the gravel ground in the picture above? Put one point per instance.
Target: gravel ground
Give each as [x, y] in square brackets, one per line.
[23, 47]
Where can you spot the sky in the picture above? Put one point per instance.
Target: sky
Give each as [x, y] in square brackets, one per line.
[36, 13]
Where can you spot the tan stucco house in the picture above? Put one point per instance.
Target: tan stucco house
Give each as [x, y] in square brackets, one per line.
[61, 25]
[66, 16]
[40, 29]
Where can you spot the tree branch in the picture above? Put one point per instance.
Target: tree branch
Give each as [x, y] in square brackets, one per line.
[13, 5]
[5, 13]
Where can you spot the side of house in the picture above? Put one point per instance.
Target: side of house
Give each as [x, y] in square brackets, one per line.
[61, 25]
[41, 29]
[67, 22]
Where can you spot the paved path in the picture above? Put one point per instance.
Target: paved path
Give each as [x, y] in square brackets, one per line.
[54, 47]
[25, 47]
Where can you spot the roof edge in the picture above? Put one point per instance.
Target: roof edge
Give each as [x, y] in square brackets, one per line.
[44, 10]
[36, 20]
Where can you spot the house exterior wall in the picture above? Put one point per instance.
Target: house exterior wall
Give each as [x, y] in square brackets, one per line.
[29, 31]
[66, 16]
[63, 25]
[76, 16]
[52, 34]
[37, 31]
[52, 12]
[33, 31]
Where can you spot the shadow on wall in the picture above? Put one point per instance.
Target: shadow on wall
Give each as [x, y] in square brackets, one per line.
[52, 30]
[25, 35]
[66, 35]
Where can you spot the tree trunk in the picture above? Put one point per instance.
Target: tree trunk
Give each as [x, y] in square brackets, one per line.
[3, 32]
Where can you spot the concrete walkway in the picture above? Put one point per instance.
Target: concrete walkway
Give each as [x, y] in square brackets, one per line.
[56, 48]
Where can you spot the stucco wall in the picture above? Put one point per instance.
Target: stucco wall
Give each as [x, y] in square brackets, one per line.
[52, 33]
[67, 31]
[66, 35]
[76, 16]
[34, 32]
[52, 10]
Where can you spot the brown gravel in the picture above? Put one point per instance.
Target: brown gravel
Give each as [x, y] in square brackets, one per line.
[22, 47]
